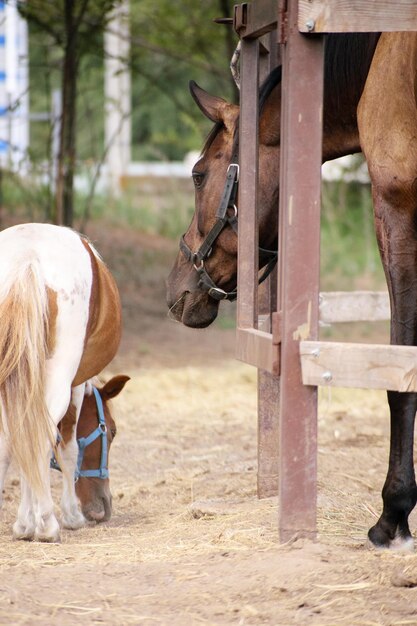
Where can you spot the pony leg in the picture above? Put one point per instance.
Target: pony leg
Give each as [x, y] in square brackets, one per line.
[47, 527]
[72, 516]
[57, 400]
[4, 464]
[25, 524]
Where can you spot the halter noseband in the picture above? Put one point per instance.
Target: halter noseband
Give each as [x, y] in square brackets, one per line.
[223, 218]
[83, 442]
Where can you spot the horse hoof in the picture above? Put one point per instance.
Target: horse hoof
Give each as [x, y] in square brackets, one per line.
[377, 540]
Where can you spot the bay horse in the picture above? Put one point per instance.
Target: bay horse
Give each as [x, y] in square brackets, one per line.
[60, 326]
[370, 104]
[96, 430]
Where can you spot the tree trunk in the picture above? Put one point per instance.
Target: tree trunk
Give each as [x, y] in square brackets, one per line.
[64, 211]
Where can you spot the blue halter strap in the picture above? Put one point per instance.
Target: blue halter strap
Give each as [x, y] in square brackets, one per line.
[83, 442]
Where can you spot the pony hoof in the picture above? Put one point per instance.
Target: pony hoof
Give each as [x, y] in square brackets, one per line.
[56, 538]
[21, 533]
[73, 522]
[23, 537]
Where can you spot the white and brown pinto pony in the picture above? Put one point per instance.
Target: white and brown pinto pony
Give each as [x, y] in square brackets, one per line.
[60, 326]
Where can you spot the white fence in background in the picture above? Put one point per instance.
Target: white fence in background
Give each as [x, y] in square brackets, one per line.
[14, 87]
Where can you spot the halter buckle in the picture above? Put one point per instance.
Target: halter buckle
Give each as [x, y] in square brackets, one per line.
[220, 292]
[198, 268]
[236, 165]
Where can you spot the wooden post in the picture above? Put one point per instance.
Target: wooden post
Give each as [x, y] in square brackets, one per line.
[298, 285]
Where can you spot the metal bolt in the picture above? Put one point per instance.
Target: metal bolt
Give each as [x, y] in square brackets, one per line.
[310, 24]
[327, 376]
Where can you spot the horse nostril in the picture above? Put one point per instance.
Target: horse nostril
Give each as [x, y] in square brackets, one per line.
[95, 516]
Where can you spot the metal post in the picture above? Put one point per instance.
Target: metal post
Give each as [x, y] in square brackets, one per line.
[268, 384]
[298, 284]
[247, 308]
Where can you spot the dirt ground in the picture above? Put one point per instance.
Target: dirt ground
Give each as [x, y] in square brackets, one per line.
[189, 542]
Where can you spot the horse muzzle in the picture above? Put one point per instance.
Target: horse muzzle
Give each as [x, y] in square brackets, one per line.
[95, 498]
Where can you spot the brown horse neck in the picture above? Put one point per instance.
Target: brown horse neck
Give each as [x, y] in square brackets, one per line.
[346, 65]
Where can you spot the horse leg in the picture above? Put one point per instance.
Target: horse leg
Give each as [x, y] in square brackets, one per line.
[72, 516]
[387, 123]
[397, 237]
[396, 227]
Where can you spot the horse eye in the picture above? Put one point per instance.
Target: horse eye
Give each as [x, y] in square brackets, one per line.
[198, 179]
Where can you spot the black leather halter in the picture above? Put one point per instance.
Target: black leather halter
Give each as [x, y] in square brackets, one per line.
[224, 217]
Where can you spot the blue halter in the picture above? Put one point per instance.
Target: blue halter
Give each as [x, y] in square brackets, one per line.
[83, 442]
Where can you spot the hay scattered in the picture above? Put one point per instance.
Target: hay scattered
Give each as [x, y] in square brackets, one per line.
[189, 542]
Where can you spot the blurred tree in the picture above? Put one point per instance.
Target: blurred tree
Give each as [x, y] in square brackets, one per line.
[171, 44]
[75, 27]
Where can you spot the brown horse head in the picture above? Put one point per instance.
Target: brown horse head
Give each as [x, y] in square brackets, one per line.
[94, 492]
[347, 60]
[189, 302]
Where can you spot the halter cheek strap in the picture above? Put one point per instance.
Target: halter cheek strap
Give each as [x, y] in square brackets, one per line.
[83, 442]
[223, 218]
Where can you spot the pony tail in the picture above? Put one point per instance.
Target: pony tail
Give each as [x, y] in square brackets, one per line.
[25, 421]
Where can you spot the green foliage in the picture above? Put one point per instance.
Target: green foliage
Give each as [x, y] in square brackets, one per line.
[49, 18]
[173, 43]
[349, 252]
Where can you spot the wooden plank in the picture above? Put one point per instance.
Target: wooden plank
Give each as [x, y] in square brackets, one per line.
[359, 365]
[255, 347]
[354, 306]
[335, 16]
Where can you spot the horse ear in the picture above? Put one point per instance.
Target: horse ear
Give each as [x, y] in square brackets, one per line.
[216, 109]
[113, 387]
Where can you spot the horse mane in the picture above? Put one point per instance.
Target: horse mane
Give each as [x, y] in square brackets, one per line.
[347, 59]
[211, 137]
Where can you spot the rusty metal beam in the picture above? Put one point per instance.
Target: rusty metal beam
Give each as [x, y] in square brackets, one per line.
[298, 287]
[247, 307]
[253, 19]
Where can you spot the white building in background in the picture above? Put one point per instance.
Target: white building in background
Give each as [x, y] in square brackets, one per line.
[14, 88]
[117, 93]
